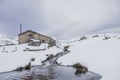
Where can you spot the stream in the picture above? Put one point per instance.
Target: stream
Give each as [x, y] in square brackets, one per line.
[57, 72]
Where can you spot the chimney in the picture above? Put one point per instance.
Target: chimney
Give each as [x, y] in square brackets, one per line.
[20, 28]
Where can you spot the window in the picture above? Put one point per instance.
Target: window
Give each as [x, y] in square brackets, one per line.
[30, 35]
[43, 41]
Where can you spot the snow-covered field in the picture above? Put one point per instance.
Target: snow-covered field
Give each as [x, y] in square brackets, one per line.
[5, 40]
[10, 59]
[100, 56]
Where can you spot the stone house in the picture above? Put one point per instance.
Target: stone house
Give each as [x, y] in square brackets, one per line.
[33, 42]
[29, 35]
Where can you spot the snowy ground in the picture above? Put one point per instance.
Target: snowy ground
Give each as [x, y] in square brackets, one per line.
[10, 59]
[100, 56]
[5, 40]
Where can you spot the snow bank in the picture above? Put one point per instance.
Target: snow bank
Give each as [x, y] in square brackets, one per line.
[5, 40]
[100, 56]
[9, 62]
[11, 59]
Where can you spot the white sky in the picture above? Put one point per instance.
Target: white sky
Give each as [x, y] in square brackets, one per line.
[61, 18]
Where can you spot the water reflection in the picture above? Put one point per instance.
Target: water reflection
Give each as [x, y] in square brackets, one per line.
[52, 72]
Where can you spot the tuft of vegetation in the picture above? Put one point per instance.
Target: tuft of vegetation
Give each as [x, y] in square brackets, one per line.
[50, 56]
[28, 66]
[20, 69]
[66, 48]
[105, 38]
[27, 49]
[80, 69]
[95, 36]
[32, 59]
[83, 38]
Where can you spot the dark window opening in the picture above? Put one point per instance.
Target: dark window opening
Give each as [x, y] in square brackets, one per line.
[30, 36]
[43, 41]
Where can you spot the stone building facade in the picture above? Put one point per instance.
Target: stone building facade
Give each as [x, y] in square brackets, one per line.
[26, 37]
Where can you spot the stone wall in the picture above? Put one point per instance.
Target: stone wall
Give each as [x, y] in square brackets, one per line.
[24, 38]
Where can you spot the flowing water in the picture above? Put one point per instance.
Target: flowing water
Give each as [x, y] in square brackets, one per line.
[57, 72]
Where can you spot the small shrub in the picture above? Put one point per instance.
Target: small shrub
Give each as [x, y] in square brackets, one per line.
[24, 50]
[83, 38]
[28, 67]
[27, 48]
[50, 56]
[80, 69]
[95, 36]
[77, 65]
[106, 38]
[66, 48]
[78, 72]
[32, 59]
[20, 69]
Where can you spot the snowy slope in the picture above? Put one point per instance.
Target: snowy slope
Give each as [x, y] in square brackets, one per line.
[13, 55]
[100, 56]
[5, 40]
[11, 58]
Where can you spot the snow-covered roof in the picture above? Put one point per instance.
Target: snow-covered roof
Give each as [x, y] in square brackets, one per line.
[34, 40]
[35, 33]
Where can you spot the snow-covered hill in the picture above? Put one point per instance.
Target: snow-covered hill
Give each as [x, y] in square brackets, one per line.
[5, 40]
[14, 56]
[100, 56]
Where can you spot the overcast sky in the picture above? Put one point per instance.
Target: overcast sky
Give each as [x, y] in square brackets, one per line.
[61, 18]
